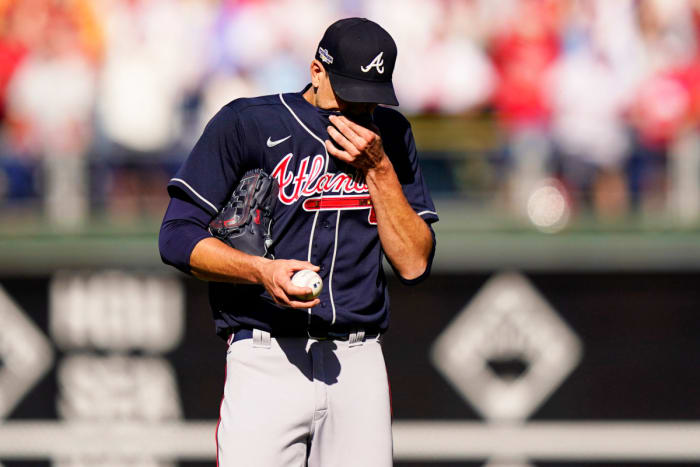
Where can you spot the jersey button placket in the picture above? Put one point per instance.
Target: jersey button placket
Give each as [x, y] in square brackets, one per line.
[322, 251]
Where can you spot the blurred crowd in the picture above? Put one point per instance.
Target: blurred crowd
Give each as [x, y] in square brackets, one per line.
[602, 95]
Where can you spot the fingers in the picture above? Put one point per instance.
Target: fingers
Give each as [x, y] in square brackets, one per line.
[303, 305]
[297, 265]
[295, 290]
[290, 294]
[358, 146]
[286, 283]
[280, 286]
[350, 136]
[356, 134]
[295, 302]
[338, 153]
[361, 130]
[343, 141]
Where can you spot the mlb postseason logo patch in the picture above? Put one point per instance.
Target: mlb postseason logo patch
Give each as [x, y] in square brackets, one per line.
[325, 56]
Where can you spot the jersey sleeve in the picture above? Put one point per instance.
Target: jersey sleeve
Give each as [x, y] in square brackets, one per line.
[211, 170]
[400, 146]
[184, 225]
[416, 191]
[401, 149]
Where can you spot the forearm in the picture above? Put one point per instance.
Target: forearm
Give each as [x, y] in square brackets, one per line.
[405, 237]
[185, 243]
[213, 260]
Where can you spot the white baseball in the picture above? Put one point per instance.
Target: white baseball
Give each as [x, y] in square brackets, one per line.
[308, 278]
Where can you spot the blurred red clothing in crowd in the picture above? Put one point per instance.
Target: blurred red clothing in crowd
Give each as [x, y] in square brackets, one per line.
[666, 103]
[522, 53]
[12, 48]
[11, 55]
[46, 46]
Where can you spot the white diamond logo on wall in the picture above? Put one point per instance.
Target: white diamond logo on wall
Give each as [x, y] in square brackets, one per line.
[507, 350]
[25, 352]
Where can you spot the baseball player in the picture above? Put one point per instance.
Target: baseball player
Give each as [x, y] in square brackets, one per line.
[306, 382]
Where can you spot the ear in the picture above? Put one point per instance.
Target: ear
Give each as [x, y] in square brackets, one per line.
[318, 73]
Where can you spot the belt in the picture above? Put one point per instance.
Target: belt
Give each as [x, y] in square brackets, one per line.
[244, 333]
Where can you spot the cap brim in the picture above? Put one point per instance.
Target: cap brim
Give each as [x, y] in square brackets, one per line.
[355, 90]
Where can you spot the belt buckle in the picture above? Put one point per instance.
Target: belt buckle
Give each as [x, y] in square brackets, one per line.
[327, 337]
[330, 336]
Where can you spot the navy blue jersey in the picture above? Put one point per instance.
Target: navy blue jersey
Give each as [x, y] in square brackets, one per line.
[324, 216]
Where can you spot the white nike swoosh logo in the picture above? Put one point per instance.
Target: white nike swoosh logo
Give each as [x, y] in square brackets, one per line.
[272, 144]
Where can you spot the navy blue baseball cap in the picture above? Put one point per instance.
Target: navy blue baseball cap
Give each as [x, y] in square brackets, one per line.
[359, 56]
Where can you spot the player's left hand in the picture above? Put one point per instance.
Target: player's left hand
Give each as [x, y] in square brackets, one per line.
[361, 147]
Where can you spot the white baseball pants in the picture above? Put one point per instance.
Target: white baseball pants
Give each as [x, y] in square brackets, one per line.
[303, 402]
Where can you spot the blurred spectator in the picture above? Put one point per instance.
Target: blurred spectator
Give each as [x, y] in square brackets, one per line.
[663, 100]
[668, 45]
[522, 52]
[152, 55]
[587, 96]
[13, 45]
[154, 60]
[16, 38]
[49, 104]
[468, 79]
[51, 93]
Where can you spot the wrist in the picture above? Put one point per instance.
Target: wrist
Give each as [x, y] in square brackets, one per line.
[383, 168]
[259, 264]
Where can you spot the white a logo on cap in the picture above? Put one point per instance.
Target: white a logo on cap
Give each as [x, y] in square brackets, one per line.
[377, 62]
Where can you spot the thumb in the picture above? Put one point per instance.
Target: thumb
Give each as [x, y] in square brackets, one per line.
[300, 265]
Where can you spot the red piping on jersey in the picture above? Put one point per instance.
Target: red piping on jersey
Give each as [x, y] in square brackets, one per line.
[391, 399]
[221, 405]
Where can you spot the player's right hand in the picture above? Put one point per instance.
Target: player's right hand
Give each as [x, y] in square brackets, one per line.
[276, 277]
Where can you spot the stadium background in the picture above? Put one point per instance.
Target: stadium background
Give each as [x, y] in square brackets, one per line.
[559, 139]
